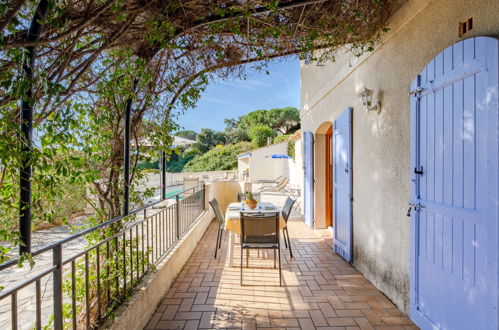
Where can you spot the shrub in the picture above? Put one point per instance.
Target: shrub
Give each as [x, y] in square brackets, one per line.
[218, 159]
[151, 170]
[281, 138]
[147, 165]
[291, 148]
[259, 135]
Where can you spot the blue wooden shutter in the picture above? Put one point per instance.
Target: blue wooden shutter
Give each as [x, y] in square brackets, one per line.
[454, 256]
[308, 168]
[342, 184]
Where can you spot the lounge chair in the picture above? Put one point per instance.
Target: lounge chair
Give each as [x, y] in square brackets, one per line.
[269, 183]
[278, 187]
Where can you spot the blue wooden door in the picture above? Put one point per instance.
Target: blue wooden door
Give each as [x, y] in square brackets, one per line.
[342, 184]
[454, 120]
[308, 169]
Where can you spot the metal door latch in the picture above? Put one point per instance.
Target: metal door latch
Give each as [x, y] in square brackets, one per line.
[417, 207]
[419, 172]
[417, 91]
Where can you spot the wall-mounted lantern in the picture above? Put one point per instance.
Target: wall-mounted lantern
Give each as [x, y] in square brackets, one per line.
[367, 100]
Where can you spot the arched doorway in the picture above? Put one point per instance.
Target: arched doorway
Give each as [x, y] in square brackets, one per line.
[323, 197]
[454, 188]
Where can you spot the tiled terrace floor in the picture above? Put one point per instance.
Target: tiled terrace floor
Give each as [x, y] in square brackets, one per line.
[319, 290]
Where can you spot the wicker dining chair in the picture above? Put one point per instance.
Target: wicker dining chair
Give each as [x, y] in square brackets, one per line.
[221, 223]
[260, 231]
[286, 211]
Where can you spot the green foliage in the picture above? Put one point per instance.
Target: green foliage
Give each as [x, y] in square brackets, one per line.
[218, 159]
[291, 148]
[208, 138]
[151, 170]
[283, 120]
[234, 133]
[112, 271]
[191, 135]
[249, 195]
[147, 165]
[259, 135]
[281, 138]
[58, 174]
[177, 165]
[253, 118]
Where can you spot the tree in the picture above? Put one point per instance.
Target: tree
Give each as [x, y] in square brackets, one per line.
[259, 135]
[191, 135]
[208, 138]
[233, 132]
[285, 120]
[254, 118]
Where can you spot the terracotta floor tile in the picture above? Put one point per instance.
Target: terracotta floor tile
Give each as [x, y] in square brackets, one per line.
[153, 321]
[341, 321]
[284, 322]
[191, 325]
[170, 325]
[320, 290]
[188, 316]
[306, 323]
[169, 313]
[318, 318]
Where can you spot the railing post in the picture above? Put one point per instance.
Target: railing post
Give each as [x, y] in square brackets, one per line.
[163, 175]
[126, 151]
[177, 215]
[204, 195]
[57, 262]
[26, 127]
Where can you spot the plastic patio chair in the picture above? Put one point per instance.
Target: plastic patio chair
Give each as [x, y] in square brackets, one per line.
[260, 232]
[221, 223]
[286, 211]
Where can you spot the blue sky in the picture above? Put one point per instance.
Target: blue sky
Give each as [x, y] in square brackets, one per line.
[233, 98]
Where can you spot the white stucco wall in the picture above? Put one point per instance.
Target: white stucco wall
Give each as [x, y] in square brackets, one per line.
[262, 167]
[297, 175]
[278, 148]
[420, 29]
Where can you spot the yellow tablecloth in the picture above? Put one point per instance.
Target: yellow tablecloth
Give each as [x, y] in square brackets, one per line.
[233, 215]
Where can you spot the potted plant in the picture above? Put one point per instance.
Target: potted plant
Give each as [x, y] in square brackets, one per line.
[250, 201]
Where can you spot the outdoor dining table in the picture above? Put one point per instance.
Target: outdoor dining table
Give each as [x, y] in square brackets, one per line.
[233, 220]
